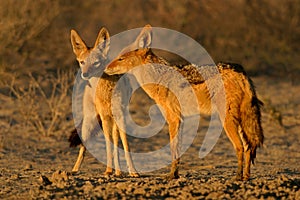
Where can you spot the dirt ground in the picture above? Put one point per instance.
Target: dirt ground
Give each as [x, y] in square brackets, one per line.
[36, 167]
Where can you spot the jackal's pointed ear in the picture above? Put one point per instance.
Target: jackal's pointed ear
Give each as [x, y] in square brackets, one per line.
[77, 43]
[144, 39]
[103, 41]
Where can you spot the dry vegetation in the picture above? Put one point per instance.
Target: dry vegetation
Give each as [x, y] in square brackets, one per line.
[34, 38]
[37, 72]
[20, 22]
[43, 101]
[262, 35]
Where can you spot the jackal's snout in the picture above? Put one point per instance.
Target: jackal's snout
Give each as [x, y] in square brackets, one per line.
[85, 75]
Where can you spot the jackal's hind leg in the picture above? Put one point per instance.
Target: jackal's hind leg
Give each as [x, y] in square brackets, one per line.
[247, 155]
[174, 173]
[231, 129]
[174, 145]
[88, 125]
[79, 159]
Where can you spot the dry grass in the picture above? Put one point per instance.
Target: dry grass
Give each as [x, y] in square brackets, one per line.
[44, 104]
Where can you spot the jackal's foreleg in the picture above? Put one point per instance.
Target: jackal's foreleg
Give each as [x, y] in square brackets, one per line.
[115, 136]
[107, 130]
[130, 165]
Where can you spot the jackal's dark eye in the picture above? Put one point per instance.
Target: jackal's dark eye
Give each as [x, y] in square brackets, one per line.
[82, 62]
[97, 64]
[120, 59]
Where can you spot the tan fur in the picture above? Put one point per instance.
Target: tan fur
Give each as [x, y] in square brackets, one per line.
[242, 122]
[103, 103]
[97, 94]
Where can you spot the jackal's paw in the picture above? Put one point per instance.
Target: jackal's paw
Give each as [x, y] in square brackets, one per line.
[134, 175]
[108, 173]
[74, 172]
[118, 173]
[172, 176]
[238, 177]
[246, 178]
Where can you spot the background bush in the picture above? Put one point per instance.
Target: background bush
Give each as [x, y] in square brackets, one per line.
[262, 35]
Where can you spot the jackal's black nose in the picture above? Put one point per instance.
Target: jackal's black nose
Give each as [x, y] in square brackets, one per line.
[85, 75]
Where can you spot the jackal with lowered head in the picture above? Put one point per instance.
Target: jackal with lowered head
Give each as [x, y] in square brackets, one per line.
[241, 119]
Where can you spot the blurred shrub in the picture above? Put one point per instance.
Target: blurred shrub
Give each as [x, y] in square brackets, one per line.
[21, 21]
[263, 35]
[43, 103]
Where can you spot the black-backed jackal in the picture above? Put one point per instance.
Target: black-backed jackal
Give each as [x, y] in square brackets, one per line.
[98, 110]
[242, 121]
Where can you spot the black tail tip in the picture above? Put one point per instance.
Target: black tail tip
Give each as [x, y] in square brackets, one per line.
[253, 156]
[74, 139]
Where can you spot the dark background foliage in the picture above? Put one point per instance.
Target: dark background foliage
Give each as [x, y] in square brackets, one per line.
[262, 35]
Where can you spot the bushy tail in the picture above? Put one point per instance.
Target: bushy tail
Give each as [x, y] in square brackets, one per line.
[251, 119]
[74, 138]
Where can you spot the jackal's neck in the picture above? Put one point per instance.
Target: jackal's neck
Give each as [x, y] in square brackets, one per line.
[150, 57]
[92, 82]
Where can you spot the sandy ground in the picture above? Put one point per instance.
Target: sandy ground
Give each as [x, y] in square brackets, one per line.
[35, 167]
